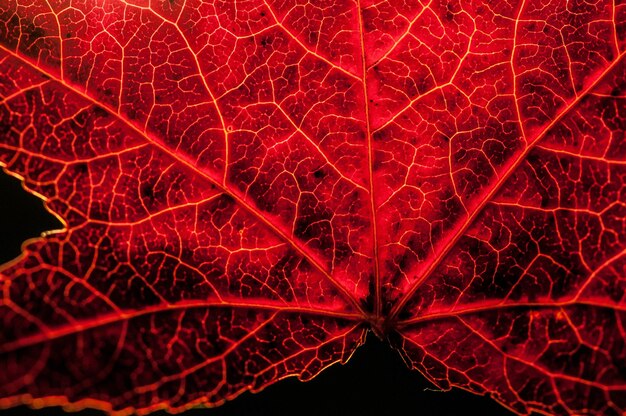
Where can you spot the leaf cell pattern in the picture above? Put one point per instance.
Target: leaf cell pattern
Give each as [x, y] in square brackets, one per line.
[248, 187]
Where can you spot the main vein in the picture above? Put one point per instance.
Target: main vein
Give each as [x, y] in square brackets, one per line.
[370, 158]
[124, 316]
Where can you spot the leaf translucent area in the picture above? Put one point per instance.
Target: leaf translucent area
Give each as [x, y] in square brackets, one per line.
[521, 293]
[246, 184]
[214, 236]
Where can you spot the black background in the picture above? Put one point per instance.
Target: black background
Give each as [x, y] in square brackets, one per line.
[375, 381]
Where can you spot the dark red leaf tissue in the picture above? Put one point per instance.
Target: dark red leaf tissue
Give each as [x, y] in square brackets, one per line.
[248, 187]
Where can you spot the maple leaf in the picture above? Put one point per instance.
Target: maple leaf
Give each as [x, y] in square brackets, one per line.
[248, 187]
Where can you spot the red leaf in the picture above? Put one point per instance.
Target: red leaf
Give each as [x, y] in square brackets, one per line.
[248, 187]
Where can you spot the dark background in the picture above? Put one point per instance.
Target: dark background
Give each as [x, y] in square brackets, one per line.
[375, 381]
